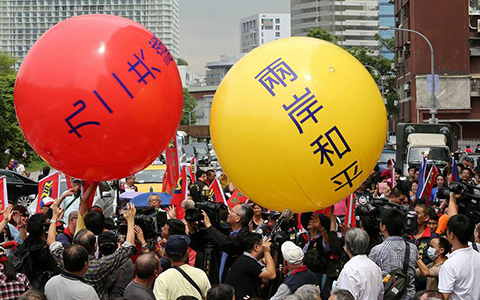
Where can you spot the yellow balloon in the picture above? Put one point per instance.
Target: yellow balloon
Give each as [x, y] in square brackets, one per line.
[298, 123]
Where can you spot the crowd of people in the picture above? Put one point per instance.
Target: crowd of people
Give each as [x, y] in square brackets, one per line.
[399, 247]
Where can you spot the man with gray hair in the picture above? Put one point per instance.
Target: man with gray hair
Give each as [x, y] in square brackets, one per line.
[229, 245]
[361, 276]
[308, 292]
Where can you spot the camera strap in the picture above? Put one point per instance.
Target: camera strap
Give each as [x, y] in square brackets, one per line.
[189, 279]
[406, 260]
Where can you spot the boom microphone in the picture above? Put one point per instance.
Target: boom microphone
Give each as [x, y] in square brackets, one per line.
[284, 218]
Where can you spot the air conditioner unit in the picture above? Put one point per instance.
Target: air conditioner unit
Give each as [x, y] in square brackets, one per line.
[406, 87]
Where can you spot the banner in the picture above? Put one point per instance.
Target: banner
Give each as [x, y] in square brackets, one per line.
[3, 194]
[421, 178]
[236, 198]
[193, 169]
[180, 194]
[216, 188]
[173, 165]
[350, 215]
[430, 183]
[48, 187]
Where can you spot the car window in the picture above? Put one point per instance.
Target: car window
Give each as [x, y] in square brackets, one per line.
[149, 176]
[11, 178]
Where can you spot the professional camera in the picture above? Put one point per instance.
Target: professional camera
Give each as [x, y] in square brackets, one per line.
[217, 212]
[377, 206]
[468, 202]
[150, 221]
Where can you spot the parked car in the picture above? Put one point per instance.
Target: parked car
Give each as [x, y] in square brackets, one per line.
[202, 154]
[105, 197]
[387, 154]
[19, 187]
[187, 153]
[150, 177]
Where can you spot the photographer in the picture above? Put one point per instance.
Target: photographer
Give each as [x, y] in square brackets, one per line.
[198, 186]
[227, 246]
[247, 269]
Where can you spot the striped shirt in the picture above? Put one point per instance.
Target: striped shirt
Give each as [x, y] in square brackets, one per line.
[389, 256]
[99, 268]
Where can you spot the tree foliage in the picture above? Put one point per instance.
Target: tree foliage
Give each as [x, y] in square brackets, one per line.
[371, 62]
[189, 105]
[181, 62]
[6, 64]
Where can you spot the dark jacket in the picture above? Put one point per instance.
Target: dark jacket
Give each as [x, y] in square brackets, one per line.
[221, 243]
[43, 265]
[196, 190]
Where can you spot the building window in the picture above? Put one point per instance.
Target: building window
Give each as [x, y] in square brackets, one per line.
[277, 34]
[267, 24]
[277, 27]
[277, 21]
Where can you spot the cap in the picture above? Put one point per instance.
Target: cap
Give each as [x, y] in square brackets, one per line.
[47, 201]
[177, 244]
[292, 253]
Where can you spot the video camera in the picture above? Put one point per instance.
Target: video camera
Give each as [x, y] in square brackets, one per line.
[469, 201]
[377, 206]
[150, 221]
[217, 212]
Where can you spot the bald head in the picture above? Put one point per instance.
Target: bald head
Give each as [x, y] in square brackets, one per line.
[86, 238]
[146, 265]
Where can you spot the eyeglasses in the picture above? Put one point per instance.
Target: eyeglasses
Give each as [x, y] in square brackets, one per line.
[25, 215]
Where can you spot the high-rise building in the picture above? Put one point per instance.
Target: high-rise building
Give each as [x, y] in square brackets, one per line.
[386, 17]
[260, 29]
[355, 23]
[218, 69]
[22, 22]
[456, 46]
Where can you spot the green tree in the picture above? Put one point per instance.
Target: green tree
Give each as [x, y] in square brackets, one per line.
[11, 136]
[189, 105]
[322, 34]
[181, 62]
[6, 64]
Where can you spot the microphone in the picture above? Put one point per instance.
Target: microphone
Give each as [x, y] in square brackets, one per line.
[9, 244]
[188, 204]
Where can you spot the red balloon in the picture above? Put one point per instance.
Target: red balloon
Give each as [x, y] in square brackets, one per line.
[98, 97]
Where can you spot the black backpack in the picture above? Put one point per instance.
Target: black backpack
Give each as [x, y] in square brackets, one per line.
[396, 281]
[23, 263]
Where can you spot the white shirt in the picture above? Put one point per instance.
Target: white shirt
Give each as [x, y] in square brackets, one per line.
[459, 275]
[362, 277]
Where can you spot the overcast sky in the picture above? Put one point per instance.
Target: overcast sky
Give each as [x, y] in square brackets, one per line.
[209, 28]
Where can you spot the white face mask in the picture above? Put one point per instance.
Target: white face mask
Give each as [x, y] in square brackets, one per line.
[431, 253]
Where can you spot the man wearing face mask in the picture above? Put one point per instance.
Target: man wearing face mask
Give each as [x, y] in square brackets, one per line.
[437, 253]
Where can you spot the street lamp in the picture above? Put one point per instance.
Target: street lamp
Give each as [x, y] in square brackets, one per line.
[381, 80]
[190, 114]
[433, 108]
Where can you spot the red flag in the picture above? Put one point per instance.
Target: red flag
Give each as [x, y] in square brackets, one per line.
[86, 184]
[217, 191]
[350, 215]
[3, 194]
[69, 181]
[428, 187]
[236, 198]
[392, 178]
[48, 187]
[166, 188]
[173, 165]
[180, 194]
[193, 169]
